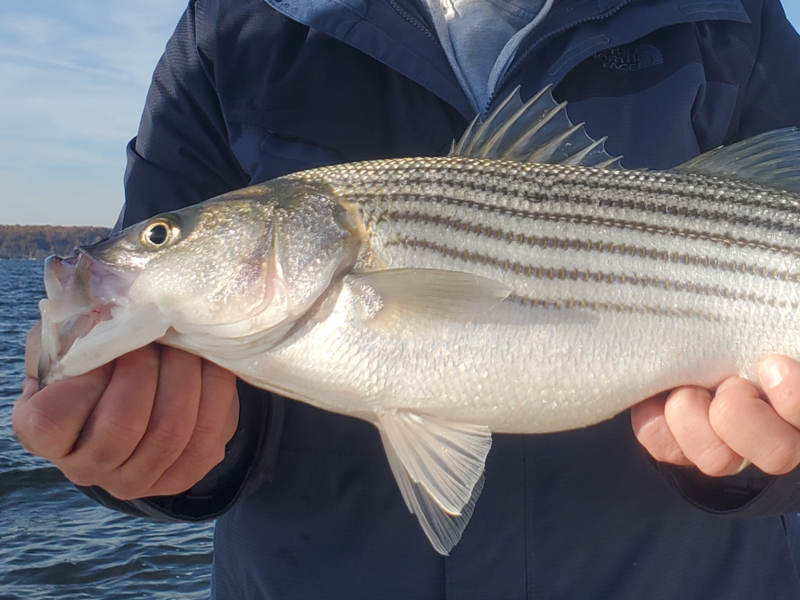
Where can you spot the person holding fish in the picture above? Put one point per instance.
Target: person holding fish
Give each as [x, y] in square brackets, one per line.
[619, 331]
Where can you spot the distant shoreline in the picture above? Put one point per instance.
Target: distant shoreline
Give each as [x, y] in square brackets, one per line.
[41, 241]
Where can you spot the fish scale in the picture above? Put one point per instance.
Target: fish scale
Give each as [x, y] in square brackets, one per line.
[654, 231]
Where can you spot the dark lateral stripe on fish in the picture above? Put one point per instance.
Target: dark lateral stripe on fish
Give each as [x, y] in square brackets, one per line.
[563, 274]
[597, 307]
[498, 177]
[576, 245]
[577, 219]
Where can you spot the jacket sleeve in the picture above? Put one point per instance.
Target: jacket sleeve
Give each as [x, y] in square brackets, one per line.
[750, 494]
[768, 101]
[182, 156]
[182, 153]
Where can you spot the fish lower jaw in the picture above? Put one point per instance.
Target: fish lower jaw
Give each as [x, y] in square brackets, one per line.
[98, 337]
[60, 336]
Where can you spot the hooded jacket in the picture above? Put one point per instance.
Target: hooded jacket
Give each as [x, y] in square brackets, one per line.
[307, 507]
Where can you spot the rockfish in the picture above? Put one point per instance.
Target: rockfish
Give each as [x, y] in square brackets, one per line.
[522, 284]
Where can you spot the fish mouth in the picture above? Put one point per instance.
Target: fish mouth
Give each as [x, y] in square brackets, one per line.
[82, 292]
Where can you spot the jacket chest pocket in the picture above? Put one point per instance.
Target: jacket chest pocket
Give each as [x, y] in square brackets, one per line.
[264, 155]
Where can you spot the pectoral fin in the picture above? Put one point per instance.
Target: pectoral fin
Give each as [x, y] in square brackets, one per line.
[438, 465]
[441, 294]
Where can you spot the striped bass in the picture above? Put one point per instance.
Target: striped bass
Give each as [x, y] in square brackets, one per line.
[522, 284]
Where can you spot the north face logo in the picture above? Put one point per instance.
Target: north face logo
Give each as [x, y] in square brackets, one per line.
[629, 58]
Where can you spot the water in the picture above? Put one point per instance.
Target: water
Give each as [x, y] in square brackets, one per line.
[55, 542]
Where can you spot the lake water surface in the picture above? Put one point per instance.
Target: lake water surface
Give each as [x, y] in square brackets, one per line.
[56, 543]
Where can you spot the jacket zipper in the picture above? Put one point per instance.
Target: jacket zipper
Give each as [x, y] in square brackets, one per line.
[414, 21]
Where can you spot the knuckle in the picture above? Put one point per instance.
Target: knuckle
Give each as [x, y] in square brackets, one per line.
[683, 408]
[121, 432]
[103, 456]
[110, 445]
[169, 434]
[81, 478]
[37, 432]
[717, 461]
[174, 483]
[82, 473]
[90, 385]
[672, 455]
[687, 395]
[147, 359]
[651, 431]
[722, 412]
[127, 485]
[213, 373]
[657, 439]
[192, 467]
[207, 429]
[779, 459]
[126, 490]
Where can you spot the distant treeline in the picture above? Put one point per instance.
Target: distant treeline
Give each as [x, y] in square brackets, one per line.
[40, 241]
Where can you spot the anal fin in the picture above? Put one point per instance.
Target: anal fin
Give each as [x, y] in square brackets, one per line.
[438, 465]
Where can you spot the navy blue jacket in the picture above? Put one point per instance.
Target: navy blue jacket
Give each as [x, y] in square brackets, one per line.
[249, 90]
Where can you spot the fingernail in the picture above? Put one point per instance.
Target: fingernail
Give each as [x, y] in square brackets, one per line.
[29, 387]
[742, 467]
[770, 373]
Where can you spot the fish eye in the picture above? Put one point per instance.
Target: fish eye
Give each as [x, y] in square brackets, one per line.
[159, 233]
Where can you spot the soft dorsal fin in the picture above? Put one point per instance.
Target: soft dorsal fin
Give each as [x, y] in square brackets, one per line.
[771, 159]
[538, 131]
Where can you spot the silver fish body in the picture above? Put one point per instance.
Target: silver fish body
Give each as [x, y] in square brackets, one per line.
[443, 299]
[621, 284]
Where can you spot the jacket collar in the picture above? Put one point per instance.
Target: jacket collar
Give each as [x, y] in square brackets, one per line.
[398, 34]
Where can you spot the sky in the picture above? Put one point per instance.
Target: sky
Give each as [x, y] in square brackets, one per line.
[73, 78]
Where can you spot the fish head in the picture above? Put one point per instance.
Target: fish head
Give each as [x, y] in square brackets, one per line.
[239, 265]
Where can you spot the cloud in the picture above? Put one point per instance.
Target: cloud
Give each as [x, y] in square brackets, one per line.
[75, 75]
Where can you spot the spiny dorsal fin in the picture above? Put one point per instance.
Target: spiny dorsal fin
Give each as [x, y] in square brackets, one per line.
[771, 159]
[538, 130]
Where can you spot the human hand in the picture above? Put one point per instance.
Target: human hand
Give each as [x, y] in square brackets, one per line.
[152, 423]
[721, 433]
